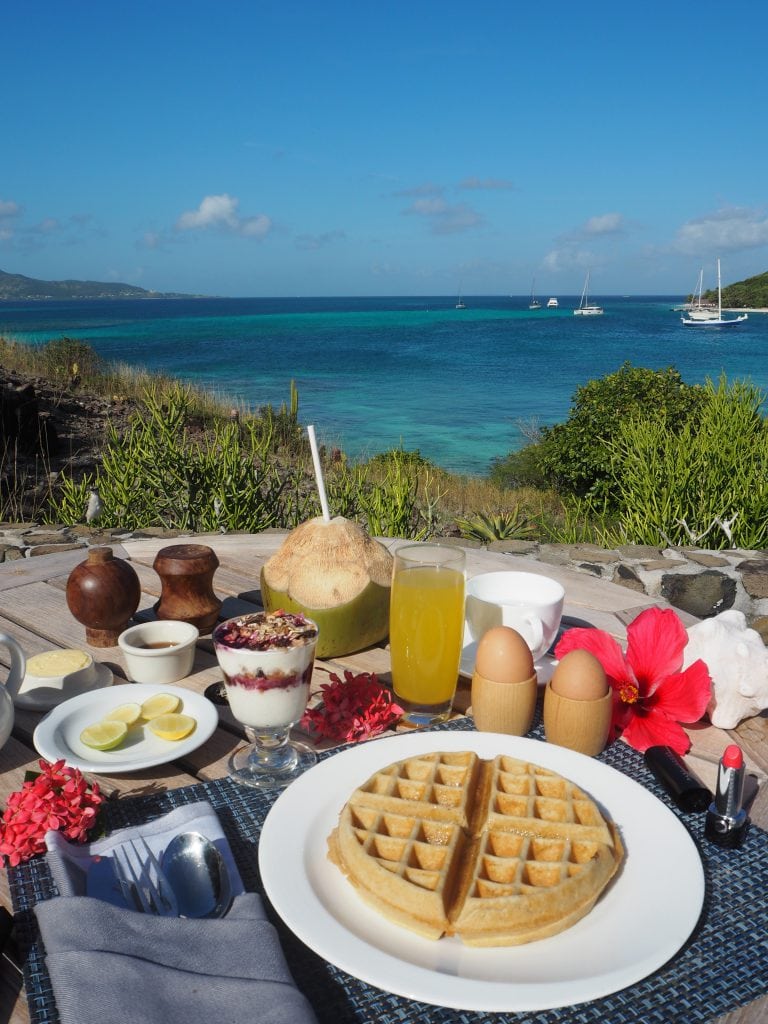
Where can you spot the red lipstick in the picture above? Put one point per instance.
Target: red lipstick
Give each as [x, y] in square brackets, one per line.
[727, 822]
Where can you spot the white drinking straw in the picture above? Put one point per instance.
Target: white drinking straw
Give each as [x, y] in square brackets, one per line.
[318, 473]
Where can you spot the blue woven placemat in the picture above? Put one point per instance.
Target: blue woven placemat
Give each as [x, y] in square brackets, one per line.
[722, 966]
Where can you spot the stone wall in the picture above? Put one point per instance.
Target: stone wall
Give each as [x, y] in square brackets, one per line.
[700, 582]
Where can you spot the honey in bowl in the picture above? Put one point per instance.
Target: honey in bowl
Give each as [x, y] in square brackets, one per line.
[504, 683]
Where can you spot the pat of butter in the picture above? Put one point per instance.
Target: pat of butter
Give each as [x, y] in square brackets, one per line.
[57, 663]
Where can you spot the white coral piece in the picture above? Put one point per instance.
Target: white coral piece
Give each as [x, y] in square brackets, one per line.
[737, 660]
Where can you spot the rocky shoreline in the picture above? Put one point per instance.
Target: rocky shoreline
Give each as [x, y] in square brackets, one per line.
[47, 427]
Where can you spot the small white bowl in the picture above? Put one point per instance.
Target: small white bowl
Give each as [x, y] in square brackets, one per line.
[159, 652]
[52, 684]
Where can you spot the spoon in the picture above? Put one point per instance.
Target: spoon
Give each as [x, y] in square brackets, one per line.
[198, 876]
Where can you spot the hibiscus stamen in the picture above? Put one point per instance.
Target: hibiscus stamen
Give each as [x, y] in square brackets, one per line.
[629, 693]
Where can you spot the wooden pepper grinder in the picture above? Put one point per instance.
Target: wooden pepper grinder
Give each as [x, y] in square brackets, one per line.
[186, 572]
[103, 592]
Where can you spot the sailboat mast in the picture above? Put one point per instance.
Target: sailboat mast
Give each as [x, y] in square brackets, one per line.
[719, 293]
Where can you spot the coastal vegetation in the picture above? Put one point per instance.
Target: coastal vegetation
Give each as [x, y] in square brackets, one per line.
[642, 458]
[752, 293]
[20, 288]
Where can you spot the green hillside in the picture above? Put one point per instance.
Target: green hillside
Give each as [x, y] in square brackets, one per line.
[17, 287]
[749, 294]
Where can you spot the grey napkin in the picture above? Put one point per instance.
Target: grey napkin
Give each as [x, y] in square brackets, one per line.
[109, 964]
[70, 862]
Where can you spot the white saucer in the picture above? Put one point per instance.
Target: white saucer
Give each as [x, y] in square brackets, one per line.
[43, 698]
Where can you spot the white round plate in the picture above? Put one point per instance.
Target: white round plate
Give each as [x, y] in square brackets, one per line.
[58, 734]
[639, 923]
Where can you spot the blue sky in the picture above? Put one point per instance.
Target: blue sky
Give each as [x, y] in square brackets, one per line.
[283, 148]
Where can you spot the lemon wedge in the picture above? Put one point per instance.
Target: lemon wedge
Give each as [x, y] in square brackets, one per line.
[128, 713]
[104, 735]
[160, 704]
[172, 726]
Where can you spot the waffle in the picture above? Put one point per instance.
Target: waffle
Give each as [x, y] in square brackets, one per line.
[497, 852]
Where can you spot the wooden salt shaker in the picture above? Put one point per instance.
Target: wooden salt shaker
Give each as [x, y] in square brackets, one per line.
[186, 572]
[103, 592]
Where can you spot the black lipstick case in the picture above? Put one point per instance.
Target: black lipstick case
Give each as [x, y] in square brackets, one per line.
[669, 769]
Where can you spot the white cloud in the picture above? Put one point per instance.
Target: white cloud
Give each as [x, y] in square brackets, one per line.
[255, 227]
[486, 183]
[445, 218]
[318, 241]
[604, 224]
[9, 209]
[728, 230]
[569, 258]
[221, 212]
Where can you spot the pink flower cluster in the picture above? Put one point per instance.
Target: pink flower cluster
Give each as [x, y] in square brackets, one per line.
[59, 799]
[352, 710]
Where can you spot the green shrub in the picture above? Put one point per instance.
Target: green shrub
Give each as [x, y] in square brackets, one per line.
[704, 484]
[161, 474]
[522, 468]
[575, 456]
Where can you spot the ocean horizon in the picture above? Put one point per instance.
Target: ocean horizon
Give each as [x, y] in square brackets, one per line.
[462, 386]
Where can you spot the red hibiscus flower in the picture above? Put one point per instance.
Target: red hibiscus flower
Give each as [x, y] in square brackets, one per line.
[651, 695]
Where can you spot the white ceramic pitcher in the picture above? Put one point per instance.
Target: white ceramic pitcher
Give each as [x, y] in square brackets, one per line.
[12, 684]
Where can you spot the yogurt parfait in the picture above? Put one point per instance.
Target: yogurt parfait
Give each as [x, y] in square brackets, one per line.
[266, 659]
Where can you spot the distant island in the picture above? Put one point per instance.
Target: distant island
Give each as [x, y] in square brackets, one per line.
[749, 294]
[17, 287]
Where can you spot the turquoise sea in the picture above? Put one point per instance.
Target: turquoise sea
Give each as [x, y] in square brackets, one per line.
[374, 373]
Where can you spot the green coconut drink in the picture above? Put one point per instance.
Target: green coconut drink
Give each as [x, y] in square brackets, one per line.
[336, 574]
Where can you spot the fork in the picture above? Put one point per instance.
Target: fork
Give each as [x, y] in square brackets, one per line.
[151, 895]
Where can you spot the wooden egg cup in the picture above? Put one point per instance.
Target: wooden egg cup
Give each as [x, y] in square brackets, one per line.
[504, 707]
[581, 725]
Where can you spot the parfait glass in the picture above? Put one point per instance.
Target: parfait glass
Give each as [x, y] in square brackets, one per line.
[266, 659]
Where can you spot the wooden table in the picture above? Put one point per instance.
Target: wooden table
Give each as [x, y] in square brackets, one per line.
[33, 609]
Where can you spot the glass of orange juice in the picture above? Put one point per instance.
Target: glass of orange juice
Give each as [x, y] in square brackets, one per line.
[426, 629]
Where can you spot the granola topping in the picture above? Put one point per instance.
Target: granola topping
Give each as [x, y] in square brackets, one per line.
[266, 631]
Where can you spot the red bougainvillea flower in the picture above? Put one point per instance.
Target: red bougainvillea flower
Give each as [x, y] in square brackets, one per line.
[352, 710]
[58, 799]
[651, 695]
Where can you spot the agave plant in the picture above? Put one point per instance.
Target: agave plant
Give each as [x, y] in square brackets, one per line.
[486, 527]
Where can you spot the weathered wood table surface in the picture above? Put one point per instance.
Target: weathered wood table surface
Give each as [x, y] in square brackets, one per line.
[33, 609]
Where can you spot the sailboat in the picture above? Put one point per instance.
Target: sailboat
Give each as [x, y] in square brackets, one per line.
[695, 309]
[460, 304]
[587, 308]
[694, 320]
[534, 303]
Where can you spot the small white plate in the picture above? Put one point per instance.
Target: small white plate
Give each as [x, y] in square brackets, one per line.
[42, 698]
[58, 734]
[639, 923]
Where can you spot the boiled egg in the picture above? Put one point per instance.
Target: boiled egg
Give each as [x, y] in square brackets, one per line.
[579, 676]
[504, 656]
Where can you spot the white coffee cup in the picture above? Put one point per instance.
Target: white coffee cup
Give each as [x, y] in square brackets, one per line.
[529, 603]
